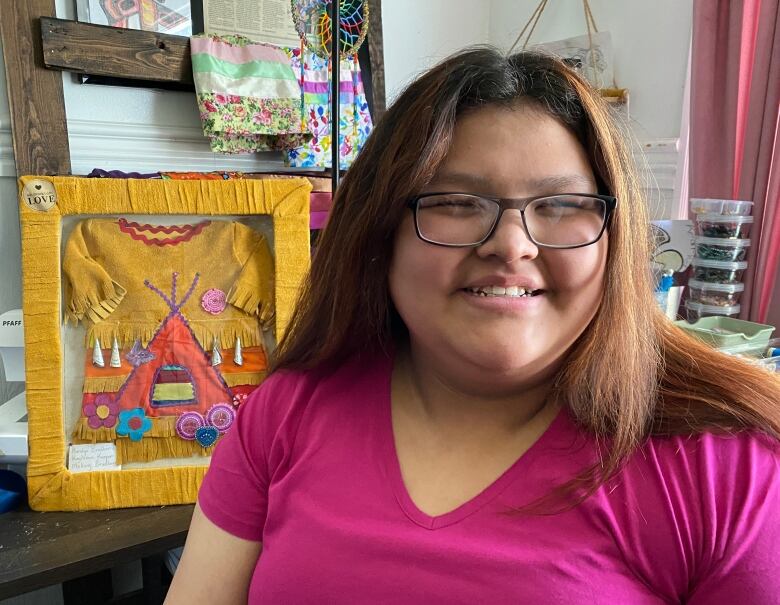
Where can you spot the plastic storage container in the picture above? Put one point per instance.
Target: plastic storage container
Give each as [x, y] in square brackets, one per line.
[770, 364]
[721, 295]
[718, 225]
[696, 310]
[723, 331]
[719, 248]
[718, 271]
[762, 349]
[712, 206]
[765, 355]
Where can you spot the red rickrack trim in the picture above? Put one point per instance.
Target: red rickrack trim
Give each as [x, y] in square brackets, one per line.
[186, 232]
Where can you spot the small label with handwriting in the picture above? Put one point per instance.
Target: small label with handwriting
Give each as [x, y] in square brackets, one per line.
[92, 457]
[40, 195]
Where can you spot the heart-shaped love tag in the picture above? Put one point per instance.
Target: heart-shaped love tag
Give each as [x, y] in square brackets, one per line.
[206, 435]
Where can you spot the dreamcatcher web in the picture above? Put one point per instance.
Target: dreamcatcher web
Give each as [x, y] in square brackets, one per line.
[312, 22]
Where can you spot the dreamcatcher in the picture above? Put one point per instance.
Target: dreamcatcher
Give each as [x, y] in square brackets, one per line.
[312, 22]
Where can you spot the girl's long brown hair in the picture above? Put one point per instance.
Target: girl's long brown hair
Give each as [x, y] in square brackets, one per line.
[632, 373]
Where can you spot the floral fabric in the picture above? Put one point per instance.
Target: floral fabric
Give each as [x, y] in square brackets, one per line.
[248, 96]
[236, 124]
[257, 97]
[355, 120]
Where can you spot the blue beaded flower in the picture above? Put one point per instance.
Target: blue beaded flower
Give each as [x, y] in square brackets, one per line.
[133, 423]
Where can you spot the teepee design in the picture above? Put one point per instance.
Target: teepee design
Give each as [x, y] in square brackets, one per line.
[178, 376]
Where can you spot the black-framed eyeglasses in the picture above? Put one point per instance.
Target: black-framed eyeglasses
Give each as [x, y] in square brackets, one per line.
[564, 220]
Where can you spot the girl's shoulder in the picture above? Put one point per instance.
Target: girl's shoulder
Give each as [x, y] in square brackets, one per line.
[288, 397]
[696, 515]
[723, 463]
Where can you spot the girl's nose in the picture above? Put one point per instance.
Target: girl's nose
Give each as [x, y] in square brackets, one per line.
[510, 241]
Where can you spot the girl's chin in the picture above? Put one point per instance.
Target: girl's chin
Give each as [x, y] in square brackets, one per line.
[503, 362]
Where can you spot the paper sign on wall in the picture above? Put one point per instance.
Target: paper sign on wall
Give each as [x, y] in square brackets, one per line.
[92, 457]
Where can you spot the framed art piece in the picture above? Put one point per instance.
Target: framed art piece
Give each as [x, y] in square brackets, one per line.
[150, 308]
[164, 16]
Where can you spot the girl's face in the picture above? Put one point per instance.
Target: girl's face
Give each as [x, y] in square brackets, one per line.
[504, 340]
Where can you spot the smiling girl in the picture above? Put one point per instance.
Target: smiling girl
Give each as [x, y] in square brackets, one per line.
[478, 400]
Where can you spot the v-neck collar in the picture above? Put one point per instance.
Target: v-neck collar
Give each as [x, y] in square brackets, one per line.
[468, 508]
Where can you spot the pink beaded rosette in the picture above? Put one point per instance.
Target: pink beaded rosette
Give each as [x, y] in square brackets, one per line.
[213, 301]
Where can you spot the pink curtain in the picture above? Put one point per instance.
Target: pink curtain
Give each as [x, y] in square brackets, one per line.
[735, 129]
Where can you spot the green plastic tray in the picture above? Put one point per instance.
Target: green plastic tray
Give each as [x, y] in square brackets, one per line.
[721, 331]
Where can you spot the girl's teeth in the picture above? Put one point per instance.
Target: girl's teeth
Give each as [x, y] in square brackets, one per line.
[512, 291]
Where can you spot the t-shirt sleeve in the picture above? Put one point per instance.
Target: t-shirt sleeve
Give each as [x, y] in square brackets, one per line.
[253, 291]
[90, 292]
[234, 492]
[745, 558]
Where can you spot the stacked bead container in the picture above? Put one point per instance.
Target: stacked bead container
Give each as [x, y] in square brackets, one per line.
[722, 240]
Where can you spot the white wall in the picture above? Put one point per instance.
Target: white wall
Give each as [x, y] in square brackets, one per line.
[650, 42]
[419, 33]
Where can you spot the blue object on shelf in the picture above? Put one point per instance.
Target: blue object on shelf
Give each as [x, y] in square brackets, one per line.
[662, 291]
[12, 490]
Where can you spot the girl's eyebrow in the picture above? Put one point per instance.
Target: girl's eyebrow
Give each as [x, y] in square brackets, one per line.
[552, 182]
[561, 181]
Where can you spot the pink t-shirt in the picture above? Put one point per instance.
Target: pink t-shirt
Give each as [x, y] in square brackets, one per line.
[310, 469]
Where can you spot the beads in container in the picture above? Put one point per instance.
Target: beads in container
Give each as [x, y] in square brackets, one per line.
[764, 354]
[717, 225]
[725, 207]
[696, 310]
[718, 248]
[721, 295]
[718, 272]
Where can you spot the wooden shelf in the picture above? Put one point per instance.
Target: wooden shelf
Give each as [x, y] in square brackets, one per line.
[41, 549]
[100, 50]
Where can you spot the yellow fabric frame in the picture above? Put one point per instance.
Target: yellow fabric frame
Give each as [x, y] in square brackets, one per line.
[51, 486]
